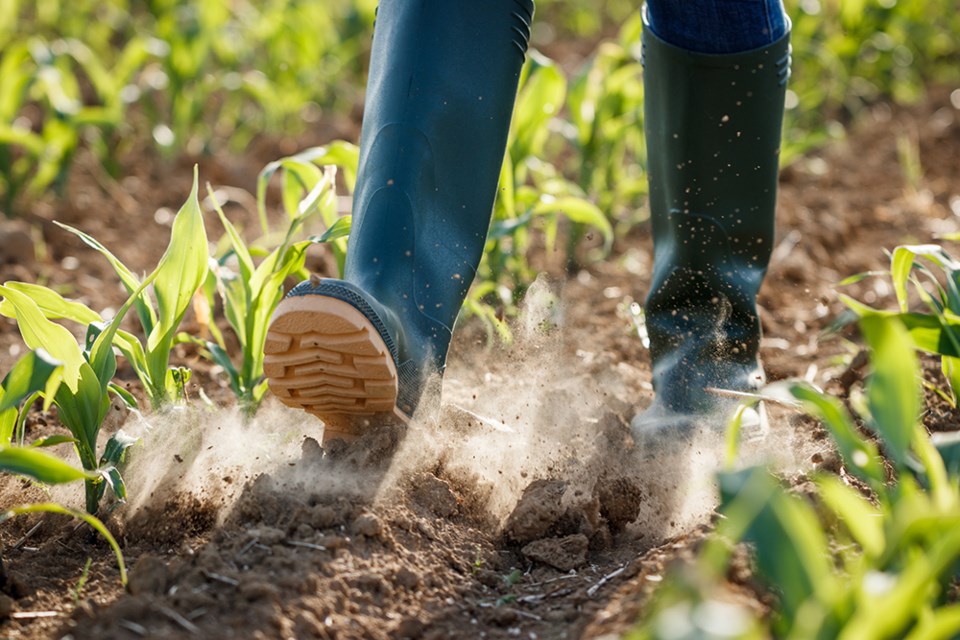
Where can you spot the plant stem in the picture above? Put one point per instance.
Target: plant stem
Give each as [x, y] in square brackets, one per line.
[91, 489]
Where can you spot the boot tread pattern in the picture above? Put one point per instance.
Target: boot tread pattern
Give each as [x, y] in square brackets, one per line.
[324, 356]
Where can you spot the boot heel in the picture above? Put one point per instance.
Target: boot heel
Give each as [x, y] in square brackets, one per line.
[324, 356]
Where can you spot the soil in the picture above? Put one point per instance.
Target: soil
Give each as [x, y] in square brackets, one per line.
[526, 510]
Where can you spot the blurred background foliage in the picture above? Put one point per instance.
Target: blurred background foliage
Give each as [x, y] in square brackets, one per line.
[201, 76]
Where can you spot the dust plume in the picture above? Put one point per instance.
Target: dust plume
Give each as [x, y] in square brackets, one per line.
[509, 417]
[533, 411]
[210, 453]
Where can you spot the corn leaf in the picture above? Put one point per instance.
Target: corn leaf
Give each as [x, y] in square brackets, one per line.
[36, 371]
[888, 615]
[116, 446]
[339, 229]
[40, 466]
[791, 549]
[40, 333]
[581, 211]
[52, 441]
[539, 100]
[942, 623]
[52, 304]
[82, 412]
[892, 390]
[145, 310]
[181, 271]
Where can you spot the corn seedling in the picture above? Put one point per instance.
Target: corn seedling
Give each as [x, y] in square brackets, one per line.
[532, 194]
[180, 272]
[605, 115]
[858, 565]
[934, 277]
[83, 396]
[86, 382]
[251, 292]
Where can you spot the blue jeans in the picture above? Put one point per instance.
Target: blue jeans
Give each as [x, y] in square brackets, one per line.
[717, 26]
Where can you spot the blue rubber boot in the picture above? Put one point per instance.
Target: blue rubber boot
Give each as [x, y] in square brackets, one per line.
[713, 125]
[443, 79]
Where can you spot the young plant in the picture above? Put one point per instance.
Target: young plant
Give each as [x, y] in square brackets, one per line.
[86, 382]
[83, 397]
[937, 330]
[865, 565]
[251, 292]
[179, 274]
[532, 195]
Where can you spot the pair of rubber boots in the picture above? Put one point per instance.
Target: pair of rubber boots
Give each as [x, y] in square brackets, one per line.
[442, 83]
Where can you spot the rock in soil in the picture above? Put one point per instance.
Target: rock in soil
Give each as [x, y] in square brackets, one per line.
[620, 500]
[538, 510]
[148, 576]
[564, 553]
[434, 494]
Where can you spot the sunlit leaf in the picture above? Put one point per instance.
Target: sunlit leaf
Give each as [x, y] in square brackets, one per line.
[41, 466]
[893, 388]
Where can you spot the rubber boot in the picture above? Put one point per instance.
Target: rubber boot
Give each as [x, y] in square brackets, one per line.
[713, 125]
[442, 84]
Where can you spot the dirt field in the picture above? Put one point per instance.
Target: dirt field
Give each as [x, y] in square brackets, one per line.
[542, 520]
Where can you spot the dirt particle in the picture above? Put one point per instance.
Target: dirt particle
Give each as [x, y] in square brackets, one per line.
[489, 578]
[620, 501]
[564, 553]
[406, 578]
[6, 607]
[148, 576]
[311, 451]
[258, 590]
[267, 535]
[410, 628]
[367, 525]
[435, 494]
[538, 510]
[322, 516]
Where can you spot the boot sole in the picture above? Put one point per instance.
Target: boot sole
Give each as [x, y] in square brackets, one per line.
[324, 356]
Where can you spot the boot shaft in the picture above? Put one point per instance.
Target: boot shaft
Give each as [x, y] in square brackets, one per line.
[713, 128]
[443, 78]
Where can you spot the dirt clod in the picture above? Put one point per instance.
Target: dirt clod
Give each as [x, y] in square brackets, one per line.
[367, 525]
[620, 501]
[149, 575]
[566, 553]
[538, 510]
[435, 494]
[6, 607]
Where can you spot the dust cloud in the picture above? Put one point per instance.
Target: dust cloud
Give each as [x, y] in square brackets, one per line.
[510, 416]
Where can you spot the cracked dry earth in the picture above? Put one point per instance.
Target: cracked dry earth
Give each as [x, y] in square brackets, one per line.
[525, 510]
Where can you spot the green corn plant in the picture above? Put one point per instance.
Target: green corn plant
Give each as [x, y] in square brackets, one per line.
[855, 565]
[179, 274]
[250, 292]
[605, 115]
[83, 397]
[935, 328]
[86, 383]
[34, 375]
[532, 195]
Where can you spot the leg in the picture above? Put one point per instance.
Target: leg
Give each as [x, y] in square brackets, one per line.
[713, 122]
[443, 78]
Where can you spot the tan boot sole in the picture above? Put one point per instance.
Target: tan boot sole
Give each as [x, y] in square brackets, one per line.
[323, 356]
